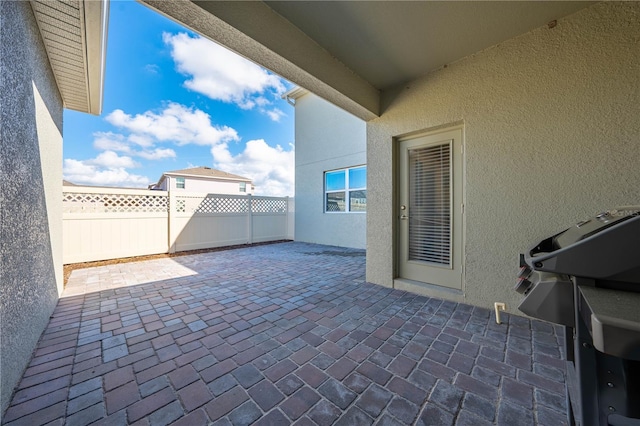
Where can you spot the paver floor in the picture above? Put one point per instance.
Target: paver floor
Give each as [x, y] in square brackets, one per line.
[280, 334]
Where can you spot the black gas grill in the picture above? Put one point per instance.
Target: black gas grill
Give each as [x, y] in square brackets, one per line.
[587, 278]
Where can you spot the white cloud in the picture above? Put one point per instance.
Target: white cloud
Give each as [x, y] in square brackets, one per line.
[141, 140]
[223, 75]
[111, 160]
[271, 169]
[176, 123]
[157, 154]
[108, 141]
[274, 114]
[90, 172]
[152, 69]
[113, 142]
[140, 135]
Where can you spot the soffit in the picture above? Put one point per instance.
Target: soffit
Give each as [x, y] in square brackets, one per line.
[74, 34]
[392, 42]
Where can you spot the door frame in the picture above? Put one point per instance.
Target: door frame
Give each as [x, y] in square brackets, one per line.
[397, 279]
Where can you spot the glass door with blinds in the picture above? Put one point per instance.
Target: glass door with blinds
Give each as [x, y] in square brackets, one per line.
[430, 209]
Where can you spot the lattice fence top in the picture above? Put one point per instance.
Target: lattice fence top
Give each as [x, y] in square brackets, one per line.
[215, 203]
[212, 203]
[269, 205]
[75, 202]
[99, 202]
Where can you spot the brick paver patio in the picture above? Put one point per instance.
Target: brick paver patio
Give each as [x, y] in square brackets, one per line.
[280, 334]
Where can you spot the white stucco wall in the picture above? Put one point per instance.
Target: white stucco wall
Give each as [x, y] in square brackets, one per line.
[49, 128]
[193, 184]
[551, 133]
[327, 138]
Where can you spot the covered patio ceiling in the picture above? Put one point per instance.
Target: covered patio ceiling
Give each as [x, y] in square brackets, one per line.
[351, 52]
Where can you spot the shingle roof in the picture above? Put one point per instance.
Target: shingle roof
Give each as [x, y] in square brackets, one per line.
[206, 172]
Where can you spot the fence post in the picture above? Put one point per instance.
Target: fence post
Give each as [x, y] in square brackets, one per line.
[286, 220]
[250, 218]
[291, 218]
[170, 222]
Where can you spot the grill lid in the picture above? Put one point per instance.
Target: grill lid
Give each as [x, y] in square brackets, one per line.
[604, 247]
[591, 226]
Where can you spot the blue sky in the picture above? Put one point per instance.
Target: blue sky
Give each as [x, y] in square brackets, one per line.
[174, 100]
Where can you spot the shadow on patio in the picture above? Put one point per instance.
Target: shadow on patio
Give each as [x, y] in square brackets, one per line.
[280, 334]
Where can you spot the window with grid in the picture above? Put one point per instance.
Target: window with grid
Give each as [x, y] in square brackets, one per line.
[243, 186]
[346, 190]
[179, 183]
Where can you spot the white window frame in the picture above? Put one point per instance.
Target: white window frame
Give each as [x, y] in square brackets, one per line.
[347, 190]
[243, 186]
[180, 182]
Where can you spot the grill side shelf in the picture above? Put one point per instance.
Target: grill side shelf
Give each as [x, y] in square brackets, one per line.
[613, 318]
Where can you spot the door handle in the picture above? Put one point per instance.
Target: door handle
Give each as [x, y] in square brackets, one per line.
[404, 217]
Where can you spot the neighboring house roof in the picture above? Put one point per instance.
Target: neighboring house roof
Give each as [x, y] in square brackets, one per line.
[204, 172]
[74, 33]
[74, 186]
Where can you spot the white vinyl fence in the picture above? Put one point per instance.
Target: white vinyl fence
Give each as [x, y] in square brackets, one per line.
[109, 223]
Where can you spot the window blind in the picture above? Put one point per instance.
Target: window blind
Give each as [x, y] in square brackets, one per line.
[430, 204]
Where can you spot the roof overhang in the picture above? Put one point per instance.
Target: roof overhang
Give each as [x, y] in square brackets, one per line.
[292, 95]
[74, 33]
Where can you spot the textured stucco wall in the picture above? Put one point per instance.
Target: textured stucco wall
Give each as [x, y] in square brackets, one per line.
[551, 133]
[327, 138]
[30, 197]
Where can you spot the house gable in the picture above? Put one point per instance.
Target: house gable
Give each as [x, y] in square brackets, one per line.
[205, 179]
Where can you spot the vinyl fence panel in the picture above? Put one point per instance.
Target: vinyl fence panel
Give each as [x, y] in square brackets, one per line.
[109, 223]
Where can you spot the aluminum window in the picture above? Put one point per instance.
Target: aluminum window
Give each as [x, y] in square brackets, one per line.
[346, 190]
